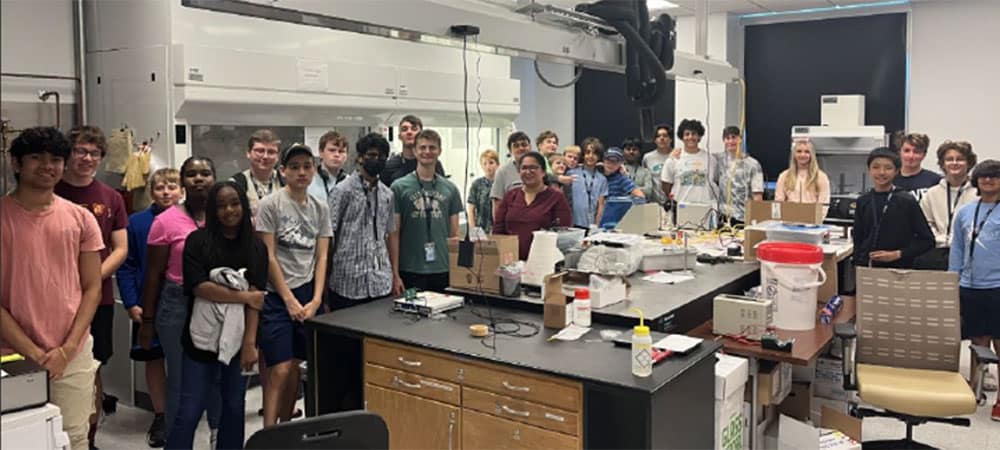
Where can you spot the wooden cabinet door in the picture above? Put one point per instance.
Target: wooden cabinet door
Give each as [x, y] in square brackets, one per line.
[415, 422]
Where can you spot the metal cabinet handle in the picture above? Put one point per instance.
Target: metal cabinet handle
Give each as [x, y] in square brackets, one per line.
[451, 431]
[509, 410]
[557, 418]
[405, 362]
[516, 388]
[397, 380]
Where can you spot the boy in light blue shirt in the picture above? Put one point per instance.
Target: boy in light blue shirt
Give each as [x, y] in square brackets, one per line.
[975, 255]
[590, 187]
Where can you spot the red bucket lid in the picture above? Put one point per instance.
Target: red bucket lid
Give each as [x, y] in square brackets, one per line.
[790, 253]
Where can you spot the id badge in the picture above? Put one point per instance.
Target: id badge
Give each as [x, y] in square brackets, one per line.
[429, 252]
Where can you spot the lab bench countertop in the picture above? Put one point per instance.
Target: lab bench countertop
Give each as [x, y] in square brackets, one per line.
[588, 359]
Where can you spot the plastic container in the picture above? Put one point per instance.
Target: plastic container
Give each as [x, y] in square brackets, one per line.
[790, 273]
[804, 233]
[581, 307]
[642, 348]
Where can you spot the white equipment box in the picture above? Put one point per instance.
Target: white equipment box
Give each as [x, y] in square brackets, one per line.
[736, 315]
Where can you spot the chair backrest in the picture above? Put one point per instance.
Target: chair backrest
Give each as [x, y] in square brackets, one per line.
[361, 430]
[908, 318]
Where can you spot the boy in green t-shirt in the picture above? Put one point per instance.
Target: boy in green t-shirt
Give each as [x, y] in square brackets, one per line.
[427, 208]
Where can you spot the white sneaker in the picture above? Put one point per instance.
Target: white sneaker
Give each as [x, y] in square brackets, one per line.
[989, 382]
[213, 437]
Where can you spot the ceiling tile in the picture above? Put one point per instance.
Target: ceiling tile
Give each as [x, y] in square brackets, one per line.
[791, 5]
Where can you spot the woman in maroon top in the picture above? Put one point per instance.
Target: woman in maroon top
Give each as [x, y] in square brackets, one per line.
[533, 206]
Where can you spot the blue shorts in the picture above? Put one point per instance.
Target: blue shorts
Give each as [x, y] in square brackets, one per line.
[280, 338]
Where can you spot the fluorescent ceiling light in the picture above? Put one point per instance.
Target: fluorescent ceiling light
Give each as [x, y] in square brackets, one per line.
[660, 4]
[828, 8]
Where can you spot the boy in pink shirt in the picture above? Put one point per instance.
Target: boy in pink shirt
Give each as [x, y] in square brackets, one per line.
[48, 305]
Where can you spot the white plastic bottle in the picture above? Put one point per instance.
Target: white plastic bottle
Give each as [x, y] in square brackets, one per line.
[581, 307]
[642, 349]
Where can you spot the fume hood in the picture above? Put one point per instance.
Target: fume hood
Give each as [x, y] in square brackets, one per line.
[165, 67]
[843, 144]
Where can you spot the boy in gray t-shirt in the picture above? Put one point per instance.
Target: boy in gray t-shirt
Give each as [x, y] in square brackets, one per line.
[296, 228]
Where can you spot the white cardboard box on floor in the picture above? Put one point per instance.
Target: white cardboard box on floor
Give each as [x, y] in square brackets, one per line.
[829, 382]
[731, 427]
[796, 435]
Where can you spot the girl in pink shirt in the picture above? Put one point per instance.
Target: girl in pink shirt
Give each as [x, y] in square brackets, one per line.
[164, 306]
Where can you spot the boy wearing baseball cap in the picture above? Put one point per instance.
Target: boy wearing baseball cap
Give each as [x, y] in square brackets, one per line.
[619, 185]
[296, 229]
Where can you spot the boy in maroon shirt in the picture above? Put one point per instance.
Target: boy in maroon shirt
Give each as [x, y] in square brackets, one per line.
[79, 186]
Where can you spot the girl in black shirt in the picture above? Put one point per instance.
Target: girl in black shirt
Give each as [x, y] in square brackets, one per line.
[228, 240]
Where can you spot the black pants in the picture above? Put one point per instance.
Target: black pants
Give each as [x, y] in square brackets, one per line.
[436, 282]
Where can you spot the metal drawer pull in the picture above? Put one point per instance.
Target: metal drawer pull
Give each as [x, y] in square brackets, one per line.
[409, 363]
[515, 412]
[555, 417]
[396, 380]
[440, 386]
[516, 388]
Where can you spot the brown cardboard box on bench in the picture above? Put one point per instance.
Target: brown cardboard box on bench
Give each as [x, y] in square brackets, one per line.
[489, 255]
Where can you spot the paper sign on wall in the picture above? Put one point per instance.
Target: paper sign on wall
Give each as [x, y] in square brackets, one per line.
[313, 75]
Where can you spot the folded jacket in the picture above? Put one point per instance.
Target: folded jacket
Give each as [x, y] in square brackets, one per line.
[218, 327]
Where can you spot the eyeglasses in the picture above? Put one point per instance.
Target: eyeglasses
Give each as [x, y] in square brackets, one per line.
[83, 152]
[264, 151]
[530, 168]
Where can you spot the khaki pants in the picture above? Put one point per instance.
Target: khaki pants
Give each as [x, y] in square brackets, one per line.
[73, 393]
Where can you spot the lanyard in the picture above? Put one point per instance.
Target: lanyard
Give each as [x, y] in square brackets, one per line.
[976, 230]
[588, 184]
[953, 207]
[879, 218]
[368, 201]
[427, 198]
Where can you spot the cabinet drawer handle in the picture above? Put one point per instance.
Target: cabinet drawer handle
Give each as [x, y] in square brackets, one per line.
[397, 380]
[405, 362]
[516, 388]
[554, 417]
[515, 412]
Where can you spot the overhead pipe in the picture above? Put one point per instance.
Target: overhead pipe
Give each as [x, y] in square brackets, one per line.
[44, 96]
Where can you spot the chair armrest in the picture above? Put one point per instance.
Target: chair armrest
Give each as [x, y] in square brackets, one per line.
[848, 335]
[845, 330]
[983, 355]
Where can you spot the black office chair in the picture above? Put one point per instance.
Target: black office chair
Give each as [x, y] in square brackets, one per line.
[360, 429]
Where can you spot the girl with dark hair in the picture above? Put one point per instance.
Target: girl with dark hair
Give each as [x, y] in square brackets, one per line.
[227, 241]
[164, 307]
[531, 207]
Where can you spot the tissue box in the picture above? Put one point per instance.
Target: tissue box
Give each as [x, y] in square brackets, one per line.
[731, 428]
[606, 291]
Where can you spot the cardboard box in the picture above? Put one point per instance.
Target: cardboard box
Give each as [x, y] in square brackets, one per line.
[490, 254]
[829, 381]
[606, 291]
[831, 286]
[796, 435]
[761, 210]
[819, 404]
[908, 319]
[774, 382]
[557, 310]
[731, 422]
[798, 403]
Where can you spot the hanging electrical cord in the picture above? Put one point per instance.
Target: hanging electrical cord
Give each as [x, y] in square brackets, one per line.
[576, 77]
[479, 94]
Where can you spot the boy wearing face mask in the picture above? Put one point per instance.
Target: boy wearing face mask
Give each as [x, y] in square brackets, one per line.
[361, 211]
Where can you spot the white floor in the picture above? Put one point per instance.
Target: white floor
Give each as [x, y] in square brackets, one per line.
[126, 429]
